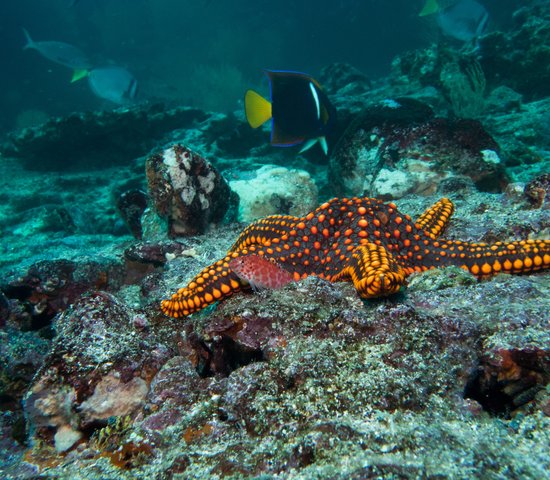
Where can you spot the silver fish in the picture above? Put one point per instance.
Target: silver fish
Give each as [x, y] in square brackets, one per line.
[59, 52]
[465, 20]
[113, 83]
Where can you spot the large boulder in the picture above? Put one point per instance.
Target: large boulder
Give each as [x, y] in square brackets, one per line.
[275, 190]
[397, 147]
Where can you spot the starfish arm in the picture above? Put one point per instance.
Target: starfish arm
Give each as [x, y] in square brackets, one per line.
[484, 260]
[264, 231]
[213, 283]
[361, 240]
[373, 271]
[436, 218]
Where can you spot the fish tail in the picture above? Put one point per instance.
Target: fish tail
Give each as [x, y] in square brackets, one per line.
[257, 109]
[30, 41]
[485, 260]
[78, 74]
[212, 284]
[431, 6]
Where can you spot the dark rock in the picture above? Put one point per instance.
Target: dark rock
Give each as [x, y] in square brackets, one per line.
[49, 287]
[150, 284]
[131, 205]
[21, 355]
[349, 163]
[154, 253]
[421, 67]
[508, 378]
[345, 79]
[457, 75]
[97, 139]
[144, 261]
[520, 57]
[538, 190]
[47, 219]
[456, 185]
[233, 137]
[524, 137]
[503, 100]
[177, 384]
[187, 191]
[4, 309]
[12, 437]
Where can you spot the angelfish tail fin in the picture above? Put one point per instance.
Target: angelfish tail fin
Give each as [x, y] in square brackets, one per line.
[257, 109]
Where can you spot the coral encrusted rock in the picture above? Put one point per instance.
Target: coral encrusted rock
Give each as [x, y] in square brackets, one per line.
[397, 147]
[187, 191]
[275, 190]
[48, 287]
[100, 366]
[520, 57]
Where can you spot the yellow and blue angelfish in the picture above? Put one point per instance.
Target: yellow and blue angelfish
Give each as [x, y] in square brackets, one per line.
[300, 112]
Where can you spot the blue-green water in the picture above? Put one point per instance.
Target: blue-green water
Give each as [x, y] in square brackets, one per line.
[130, 183]
[202, 52]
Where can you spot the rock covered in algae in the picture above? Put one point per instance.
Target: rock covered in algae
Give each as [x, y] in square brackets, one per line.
[187, 190]
[97, 139]
[397, 147]
[538, 191]
[48, 287]
[344, 79]
[519, 57]
[303, 382]
[100, 366]
[275, 190]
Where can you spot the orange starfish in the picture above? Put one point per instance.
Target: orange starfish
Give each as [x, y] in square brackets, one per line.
[361, 240]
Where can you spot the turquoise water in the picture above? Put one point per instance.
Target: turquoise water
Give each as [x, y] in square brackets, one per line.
[199, 51]
[133, 156]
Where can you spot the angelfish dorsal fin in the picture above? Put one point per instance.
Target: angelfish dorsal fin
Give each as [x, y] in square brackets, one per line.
[257, 109]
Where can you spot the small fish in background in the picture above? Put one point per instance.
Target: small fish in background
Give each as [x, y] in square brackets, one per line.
[260, 273]
[61, 53]
[464, 20]
[113, 83]
[299, 110]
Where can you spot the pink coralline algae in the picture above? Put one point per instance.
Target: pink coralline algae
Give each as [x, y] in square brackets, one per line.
[99, 367]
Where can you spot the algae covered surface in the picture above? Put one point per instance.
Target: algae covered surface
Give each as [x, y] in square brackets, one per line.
[446, 379]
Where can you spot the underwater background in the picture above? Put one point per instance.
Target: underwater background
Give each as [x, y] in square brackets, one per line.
[150, 328]
[203, 52]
